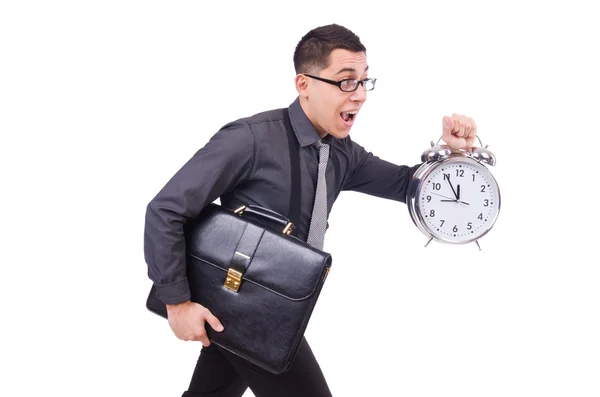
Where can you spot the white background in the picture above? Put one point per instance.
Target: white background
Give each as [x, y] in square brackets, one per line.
[101, 102]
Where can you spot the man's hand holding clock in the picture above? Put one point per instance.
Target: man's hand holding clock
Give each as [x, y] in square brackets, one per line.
[448, 173]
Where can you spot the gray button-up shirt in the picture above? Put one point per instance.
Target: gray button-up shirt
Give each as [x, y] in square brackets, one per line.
[247, 161]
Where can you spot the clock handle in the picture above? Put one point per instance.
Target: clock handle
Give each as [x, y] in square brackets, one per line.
[476, 136]
[481, 154]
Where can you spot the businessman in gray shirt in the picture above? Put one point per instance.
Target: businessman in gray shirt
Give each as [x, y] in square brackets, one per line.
[247, 161]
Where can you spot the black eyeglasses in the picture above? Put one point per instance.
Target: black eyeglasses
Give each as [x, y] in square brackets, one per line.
[348, 85]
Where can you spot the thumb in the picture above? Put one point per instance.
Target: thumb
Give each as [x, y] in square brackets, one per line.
[214, 322]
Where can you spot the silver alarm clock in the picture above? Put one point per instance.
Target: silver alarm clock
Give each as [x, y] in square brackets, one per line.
[453, 197]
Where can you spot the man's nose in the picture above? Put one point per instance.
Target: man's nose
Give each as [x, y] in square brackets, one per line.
[360, 94]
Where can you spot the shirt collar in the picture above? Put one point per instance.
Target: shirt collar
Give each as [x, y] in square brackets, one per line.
[303, 128]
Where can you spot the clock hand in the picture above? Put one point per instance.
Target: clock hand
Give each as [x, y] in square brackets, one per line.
[443, 196]
[458, 195]
[457, 201]
[452, 187]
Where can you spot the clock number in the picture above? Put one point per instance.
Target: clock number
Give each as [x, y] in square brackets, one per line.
[482, 188]
[446, 176]
[469, 226]
[480, 216]
[442, 223]
[473, 177]
[455, 229]
[437, 186]
[487, 202]
[428, 198]
[432, 213]
[460, 173]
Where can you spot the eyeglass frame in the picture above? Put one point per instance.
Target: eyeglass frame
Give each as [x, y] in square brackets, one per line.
[339, 83]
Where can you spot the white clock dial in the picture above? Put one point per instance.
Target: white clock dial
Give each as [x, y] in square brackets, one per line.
[458, 201]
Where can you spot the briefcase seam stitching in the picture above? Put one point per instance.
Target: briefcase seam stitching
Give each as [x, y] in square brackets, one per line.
[257, 284]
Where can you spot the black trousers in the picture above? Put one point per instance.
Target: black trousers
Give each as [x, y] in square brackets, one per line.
[219, 373]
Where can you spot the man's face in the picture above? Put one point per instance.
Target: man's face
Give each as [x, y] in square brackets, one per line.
[331, 110]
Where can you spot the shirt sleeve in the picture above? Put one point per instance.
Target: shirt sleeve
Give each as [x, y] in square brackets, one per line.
[214, 169]
[371, 175]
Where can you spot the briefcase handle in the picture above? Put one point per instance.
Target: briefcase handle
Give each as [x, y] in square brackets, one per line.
[270, 215]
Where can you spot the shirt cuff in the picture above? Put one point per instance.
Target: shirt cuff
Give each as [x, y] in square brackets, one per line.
[173, 293]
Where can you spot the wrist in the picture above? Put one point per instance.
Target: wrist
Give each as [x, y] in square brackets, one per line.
[174, 292]
[176, 306]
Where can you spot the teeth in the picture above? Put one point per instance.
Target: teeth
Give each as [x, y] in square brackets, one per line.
[354, 112]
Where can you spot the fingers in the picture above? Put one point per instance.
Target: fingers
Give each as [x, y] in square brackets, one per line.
[455, 142]
[193, 334]
[203, 338]
[456, 123]
[473, 127]
[468, 127]
[447, 124]
[447, 129]
[470, 142]
[213, 321]
[459, 131]
[470, 132]
[188, 324]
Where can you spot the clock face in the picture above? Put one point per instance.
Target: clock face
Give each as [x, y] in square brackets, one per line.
[459, 201]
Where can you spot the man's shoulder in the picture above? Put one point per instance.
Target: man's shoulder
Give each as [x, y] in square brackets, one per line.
[251, 124]
[271, 115]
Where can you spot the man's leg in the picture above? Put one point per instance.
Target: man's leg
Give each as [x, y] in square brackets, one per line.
[304, 379]
[214, 376]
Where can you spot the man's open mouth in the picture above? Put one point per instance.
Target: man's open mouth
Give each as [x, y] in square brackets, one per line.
[348, 116]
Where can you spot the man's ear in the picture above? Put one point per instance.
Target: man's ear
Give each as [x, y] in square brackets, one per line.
[301, 85]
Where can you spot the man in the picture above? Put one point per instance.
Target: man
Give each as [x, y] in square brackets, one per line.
[245, 162]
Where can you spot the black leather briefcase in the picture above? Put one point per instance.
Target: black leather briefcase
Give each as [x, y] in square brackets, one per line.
[262, 284]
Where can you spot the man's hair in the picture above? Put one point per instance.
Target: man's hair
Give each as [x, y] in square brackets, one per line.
[313, 50]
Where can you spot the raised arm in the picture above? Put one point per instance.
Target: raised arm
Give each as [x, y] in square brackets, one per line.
[371, 175]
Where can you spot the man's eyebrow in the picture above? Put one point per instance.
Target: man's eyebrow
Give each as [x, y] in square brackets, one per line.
[349, 70]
